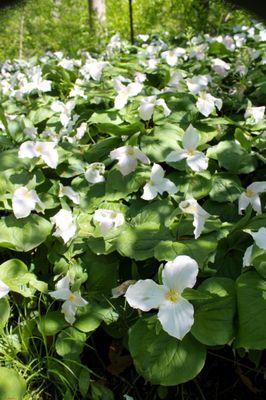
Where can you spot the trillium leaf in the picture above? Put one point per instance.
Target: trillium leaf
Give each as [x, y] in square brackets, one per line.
[214, 317]
[119, 186]
[251, 302]
[258, 259]
[70, 342]
[23, 234]
[12, 385]
[4, 312]
[51, 323]
[89, 318]
[160, 358]
[196, 185]
[225, 187]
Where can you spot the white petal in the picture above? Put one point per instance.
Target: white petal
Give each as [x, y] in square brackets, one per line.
[191, 138]
[243, 202]
[162, 103]
[63, 283]
[256, 204]
[145, 295]
[204, 106]
[247, 256]
[176, 318]
[49, 154]
[176, 155]
[257, 187]
[146, 111]
[180, 273]
[198, 162]
[24, 201]
[166, 186]
[69, 310]
[70, 193]
[141, 156]
[157, 173]
[79, 301]
[4, 289]
[121, 100]
[149, 192]
[260, 238]
[94, 173]
[27, 149]
[134, 89]
[126, 165]
[60, 294]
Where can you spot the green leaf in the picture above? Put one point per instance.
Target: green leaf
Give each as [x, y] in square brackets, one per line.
[51, 323]
[14, 273]
[101, 150]
[161, 142]
[233, 157]
[192, 185]
[70, 342]
[9, 159]
[251, 302]
[200, 249]
[214, 317]
[12, 385]
[258, 259]
[106, 117]
[4, 312]
[161, 358]
[139, 242]
[91, 316]
[225, 187]
[119, 186]
[23, 234]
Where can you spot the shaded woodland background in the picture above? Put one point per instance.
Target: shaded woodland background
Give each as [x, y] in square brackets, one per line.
[34, 27]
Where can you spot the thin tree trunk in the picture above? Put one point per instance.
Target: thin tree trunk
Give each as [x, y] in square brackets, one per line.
[97, 14]
[131, 22]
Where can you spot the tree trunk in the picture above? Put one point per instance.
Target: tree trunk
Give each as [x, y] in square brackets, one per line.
[97, 14]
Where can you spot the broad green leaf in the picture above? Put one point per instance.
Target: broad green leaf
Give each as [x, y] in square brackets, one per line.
[162, 359]
[192, 185]
[4, 312]
[214, 317]
[23, 234]
[251, 302]
[90, 317]
[258, 259]
[119, 186]
[12, 385]
[225, 187]
[70, 342]
[51, 323]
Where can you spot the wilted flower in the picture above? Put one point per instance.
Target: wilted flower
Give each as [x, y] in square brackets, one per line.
[65, 226]
[24, 201]
[128, 157]
[191, 206]
[147, 106]
[196, 160]
[72, 300]
[176, 314]
[121, 289]
[251, 196]
[45, 150]
[68, 192]
[157, 184]
[4, 289]
[108, 219]
[206, 104]
[94, 172]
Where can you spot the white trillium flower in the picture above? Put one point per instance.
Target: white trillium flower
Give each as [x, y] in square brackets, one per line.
[108, 219]
[124, 92]
[65, 226]
[251, 196]
[206, 103]
[257, 113]
[24, 201]
[94, 173]
[196, 160]
[260, 240]
[172, 56]
[128, 157]
[64, 110]
[191, 206]
[220, 66]
[147, 106]
[68, 192]
[157, 184]
[45, 150]
[4, 289]
[72, 300]
[197, 83]
[93, 69]
[176, 314]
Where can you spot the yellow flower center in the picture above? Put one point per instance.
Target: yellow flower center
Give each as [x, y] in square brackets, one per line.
[113, 215]
[172, 295]
[130, 151]
[190, 151]
[71, 297]
[39, 148]
[27, 195]
[249, 193]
